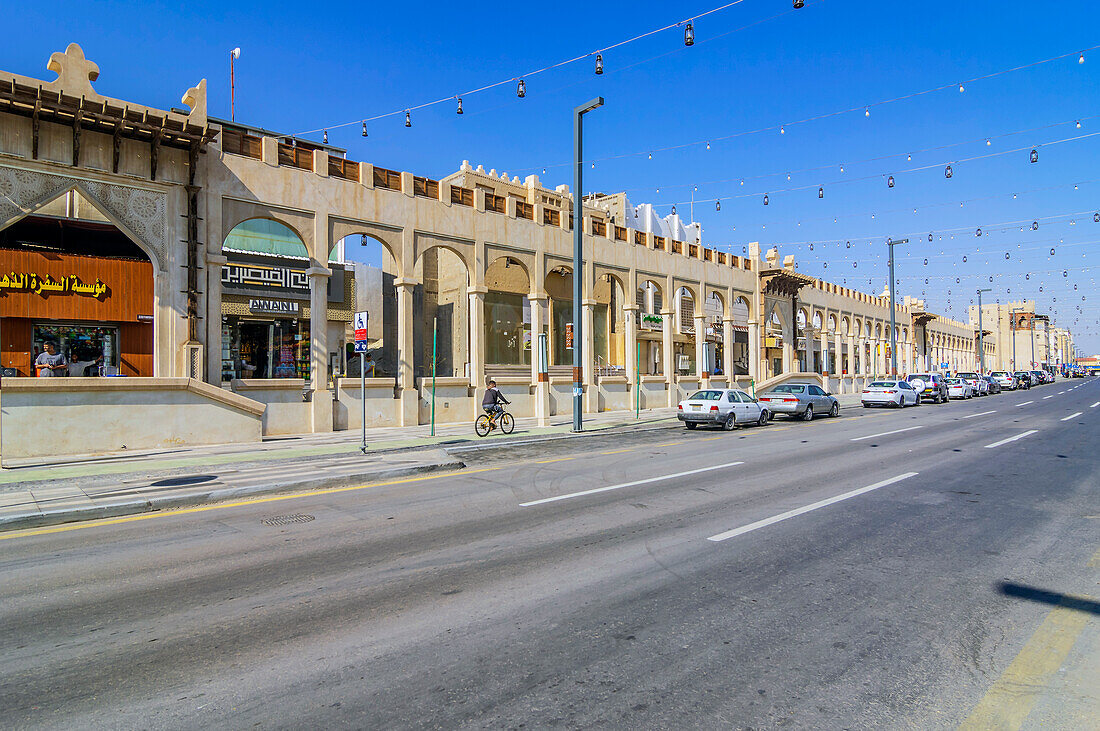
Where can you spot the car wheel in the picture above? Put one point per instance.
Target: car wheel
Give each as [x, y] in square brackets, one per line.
[836, 410]
[866, 405]
[731, 422]
[690, 424]
[763, 420]
[808, 415]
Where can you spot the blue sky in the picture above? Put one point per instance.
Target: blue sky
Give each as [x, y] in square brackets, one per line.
[316, 66]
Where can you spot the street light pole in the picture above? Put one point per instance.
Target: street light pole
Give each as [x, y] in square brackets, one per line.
[578, 240]
[233, 56]
[893, 310]
[1012, 313]
[981, 334]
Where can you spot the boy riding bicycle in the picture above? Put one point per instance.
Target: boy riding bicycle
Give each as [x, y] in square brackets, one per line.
[492, 403]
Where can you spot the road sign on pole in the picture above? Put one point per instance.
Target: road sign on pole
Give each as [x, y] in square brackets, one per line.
[361, 319]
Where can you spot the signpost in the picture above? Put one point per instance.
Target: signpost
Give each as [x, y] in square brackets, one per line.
[361, 319]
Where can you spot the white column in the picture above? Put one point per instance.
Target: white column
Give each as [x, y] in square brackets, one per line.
[702, 370]
[405, 377]
[542, 383]
[666, 354]
[321, 410]
[754, 351]
[588, 357]
[477, 337]
[630, 345]
[728, 340]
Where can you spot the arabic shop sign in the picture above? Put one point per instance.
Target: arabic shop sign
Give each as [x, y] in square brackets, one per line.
[47, 285]
[262, 275]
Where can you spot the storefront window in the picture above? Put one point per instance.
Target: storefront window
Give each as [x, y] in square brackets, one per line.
[507, 329]
[90, 350]
[563, 316]
[265, 349]
[600, 332]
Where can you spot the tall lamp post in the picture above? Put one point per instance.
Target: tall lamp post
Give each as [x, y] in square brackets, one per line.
[578, 240]
[233, 56]
[893, 309]
[981, 334]
[1012, 313]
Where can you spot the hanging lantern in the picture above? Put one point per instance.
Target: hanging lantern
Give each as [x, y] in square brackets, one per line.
[961, 88]
[978, 232]
[890, 182]
[929, 238]
[717, 205]
[1034, 155]
[674, 209]
[855, 264]
[1007, 255]
[689, 34]
[1096, 218]
[408, 119]
[782, 130]
[926, 262]
[1034, 225]
[821, 192]
[867, 111]
[964, 258]
[599, 64]
[849, 244]
[765, 199]
[521, 89]
[324, 138]
[948, 172]
[364, 129]
[799, 3]
[811, 247]
[459, 110]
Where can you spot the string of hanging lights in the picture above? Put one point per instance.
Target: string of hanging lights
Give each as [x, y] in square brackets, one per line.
[1076, 122]
[688, 24]
[865, 108]
[879, 176]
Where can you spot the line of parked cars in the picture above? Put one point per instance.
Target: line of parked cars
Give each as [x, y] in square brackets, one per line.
[937, 388]
[732, 407]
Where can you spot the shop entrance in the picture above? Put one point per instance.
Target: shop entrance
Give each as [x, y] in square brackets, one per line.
[265, 349]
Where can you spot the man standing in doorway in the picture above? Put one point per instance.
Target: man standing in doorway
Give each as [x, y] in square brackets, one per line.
[49, 362]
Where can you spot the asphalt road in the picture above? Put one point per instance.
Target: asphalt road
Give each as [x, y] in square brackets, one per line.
[897, 569]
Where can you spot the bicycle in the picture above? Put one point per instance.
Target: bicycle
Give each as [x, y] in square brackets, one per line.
[485, 423]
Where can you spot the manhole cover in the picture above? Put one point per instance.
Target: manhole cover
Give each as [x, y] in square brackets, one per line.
[287, 519]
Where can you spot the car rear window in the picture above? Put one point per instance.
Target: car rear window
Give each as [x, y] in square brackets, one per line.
[706, 396]
[883, 384]
[998, 374]
[787, 388]
[922, 376]
[954, 381]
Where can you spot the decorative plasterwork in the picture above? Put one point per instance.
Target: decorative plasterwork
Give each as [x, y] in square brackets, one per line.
[142, 213]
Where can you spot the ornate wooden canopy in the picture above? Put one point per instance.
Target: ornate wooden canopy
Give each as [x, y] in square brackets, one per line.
[783, 281]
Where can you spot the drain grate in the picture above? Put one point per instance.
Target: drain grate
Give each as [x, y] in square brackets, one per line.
[287, 519]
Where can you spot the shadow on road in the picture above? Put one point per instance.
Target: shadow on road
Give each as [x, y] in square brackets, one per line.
[1031, 594]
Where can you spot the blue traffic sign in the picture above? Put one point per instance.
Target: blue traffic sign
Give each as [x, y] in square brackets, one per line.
[361, 346]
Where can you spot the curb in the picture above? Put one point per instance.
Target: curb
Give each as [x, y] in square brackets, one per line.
[477, 446]
[168, 502]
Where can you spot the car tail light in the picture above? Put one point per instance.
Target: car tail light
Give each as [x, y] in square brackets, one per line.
[713, 408]
[680, 407]
[790, 401]
[891, 391]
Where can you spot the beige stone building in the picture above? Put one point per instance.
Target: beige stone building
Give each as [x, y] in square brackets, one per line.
[1025, 339]
[244, 234]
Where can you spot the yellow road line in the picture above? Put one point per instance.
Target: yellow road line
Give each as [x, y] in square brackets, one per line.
[672, 444]
[559, 459]
[1011, 697]
[240, 503]
[618, 451]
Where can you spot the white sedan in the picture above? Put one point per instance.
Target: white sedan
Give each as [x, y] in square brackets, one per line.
[890, 393]
[959, 388]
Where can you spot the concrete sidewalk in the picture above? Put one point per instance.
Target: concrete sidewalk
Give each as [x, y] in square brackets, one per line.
[97, 486]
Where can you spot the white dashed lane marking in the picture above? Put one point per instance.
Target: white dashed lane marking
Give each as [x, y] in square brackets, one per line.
[1071, 416]
[1012, 439]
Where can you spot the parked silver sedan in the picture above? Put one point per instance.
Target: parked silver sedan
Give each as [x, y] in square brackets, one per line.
[803, 400]
[725, 407]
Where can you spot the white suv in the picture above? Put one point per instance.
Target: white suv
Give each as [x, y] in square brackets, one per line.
[1006, 379]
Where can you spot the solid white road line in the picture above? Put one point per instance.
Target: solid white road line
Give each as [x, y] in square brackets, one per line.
[1071, 416]
[984, 413]
[1095, 405]
[1025, 403]
[805, 509]
[628, 484]
[896, 431]
[1012, 439]
[1046, 397]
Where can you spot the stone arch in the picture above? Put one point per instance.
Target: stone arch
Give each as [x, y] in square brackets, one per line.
[557, 282]
[461, 248]
[609, 331]
[802, 317]
[443, 277]
[847, 325]
[816, 320]
[138, 213]
[235, 212]
[649, 296]
[832, 323]
[339, 229]
[743, 300]
[239, 230]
